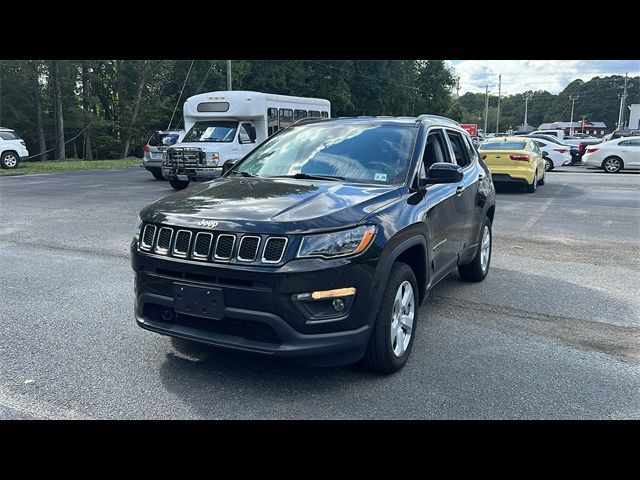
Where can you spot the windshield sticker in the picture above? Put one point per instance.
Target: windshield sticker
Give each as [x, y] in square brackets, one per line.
[380, 177]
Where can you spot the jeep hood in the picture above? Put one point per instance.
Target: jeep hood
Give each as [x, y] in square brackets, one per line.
[269, 205]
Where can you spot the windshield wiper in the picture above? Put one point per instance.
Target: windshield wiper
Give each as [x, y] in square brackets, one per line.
[244, 174]
[333, 178]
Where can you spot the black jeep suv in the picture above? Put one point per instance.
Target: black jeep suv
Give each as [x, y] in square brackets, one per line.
[320, 244]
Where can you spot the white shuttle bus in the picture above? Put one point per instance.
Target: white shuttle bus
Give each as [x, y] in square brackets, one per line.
[225, 126]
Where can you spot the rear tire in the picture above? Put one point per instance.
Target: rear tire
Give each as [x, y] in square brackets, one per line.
[389, 347]
[179, 184]
[612, 165]
[9, 160]
[542, 180]
[548, 164]
[477, 270]
[157, 174]
[532, 188]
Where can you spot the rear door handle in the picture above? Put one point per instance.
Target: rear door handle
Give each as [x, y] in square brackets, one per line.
[459, 190]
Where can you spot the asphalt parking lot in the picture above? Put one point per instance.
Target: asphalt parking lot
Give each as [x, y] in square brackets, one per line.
[553, 332]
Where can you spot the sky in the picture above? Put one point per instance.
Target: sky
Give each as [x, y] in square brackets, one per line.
[519, 76]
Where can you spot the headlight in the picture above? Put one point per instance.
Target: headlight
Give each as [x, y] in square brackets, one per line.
[213, 159]
[337, 244]
[138, 227]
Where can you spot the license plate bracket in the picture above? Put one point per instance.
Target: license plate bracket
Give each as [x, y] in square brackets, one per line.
[182, 177]
[205, 302]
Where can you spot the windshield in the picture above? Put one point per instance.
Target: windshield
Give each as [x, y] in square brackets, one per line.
[357, 152]
[212, 131]
[502, 146]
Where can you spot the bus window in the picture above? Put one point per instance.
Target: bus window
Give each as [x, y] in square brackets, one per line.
[286, 117]
[325, 114]
[299, 115]
[314, 113]
[272, 120]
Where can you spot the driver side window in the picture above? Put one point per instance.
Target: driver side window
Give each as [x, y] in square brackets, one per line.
[435, 151]
[243, 134]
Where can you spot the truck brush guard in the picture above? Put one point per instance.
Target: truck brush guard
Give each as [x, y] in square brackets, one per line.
[181, 158]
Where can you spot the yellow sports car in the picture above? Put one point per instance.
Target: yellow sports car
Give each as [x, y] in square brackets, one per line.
[514, 160]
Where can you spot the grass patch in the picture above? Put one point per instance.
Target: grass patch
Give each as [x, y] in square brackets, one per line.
[71, 166]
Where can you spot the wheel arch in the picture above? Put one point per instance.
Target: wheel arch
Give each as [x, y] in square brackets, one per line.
[612, 156]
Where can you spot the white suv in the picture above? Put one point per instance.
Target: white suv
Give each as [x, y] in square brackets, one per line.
[12, 148]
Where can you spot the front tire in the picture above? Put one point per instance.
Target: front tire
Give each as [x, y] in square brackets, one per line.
[9, 160]
[179, 184]
[394, 329]
[477, 270]
[612, 165]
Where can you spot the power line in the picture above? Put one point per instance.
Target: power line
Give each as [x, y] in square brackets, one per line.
[183, 85]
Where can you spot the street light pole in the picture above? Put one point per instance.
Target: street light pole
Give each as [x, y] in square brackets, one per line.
[498, 112]
[622, 98]
[573, 103]
[583, 117]
[527, 96]
[486, 108]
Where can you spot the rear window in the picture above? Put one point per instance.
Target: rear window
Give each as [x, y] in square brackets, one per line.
[158, 139]
[5, 135]
[503, 146]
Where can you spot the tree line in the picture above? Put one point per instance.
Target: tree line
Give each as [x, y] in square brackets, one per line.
[101, 109]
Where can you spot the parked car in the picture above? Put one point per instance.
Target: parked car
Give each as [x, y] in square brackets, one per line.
[156, 147]
[614, 155]
[554, 155]
[12, 148]
[620, 134]
[558, 133]
[321, 243]
[573, 150]
[514, 160]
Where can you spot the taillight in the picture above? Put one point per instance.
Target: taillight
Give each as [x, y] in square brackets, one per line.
[561, 150]
[146, 148]
[22, 142]
[592, 150]
[520, 158]
[484, 157]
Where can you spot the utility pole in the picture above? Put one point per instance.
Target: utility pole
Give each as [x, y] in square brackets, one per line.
[527, 97]
[583, 117]
[622, 98]
[498, 112]
[486, 108]
[573, 103]
[458, 88]
[228, 74]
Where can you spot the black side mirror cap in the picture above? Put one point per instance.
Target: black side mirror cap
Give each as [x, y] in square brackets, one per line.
[442, 172]
[228, 165]
[545, 153]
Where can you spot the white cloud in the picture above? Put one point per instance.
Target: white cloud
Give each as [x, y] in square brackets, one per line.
[521, 75]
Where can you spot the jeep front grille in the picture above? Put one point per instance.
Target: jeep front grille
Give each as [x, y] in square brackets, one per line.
[212, 246]
[248, 249]
[274, 249]
[224, 246]
[202, 245]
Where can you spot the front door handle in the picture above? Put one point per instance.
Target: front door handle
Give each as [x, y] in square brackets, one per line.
[459, 190]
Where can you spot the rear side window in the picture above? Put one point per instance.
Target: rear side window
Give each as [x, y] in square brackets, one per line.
[299, 115]
[9, 136]
[471, 149]
[314, 113]
[503, 146]
[286, 117]
[325, 114]
[459, 150]
[272, 120]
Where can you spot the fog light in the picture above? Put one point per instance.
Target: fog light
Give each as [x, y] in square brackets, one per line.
[338, 304]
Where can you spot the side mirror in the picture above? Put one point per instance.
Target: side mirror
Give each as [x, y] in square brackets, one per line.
[228, 165]
[442, 172]
[545, 153]
[252, 133]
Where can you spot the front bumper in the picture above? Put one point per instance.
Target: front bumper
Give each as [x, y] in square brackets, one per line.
[260, 315]
[198, 173]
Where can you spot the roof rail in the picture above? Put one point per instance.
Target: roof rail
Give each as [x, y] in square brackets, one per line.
[311, 120]
[439, 118]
